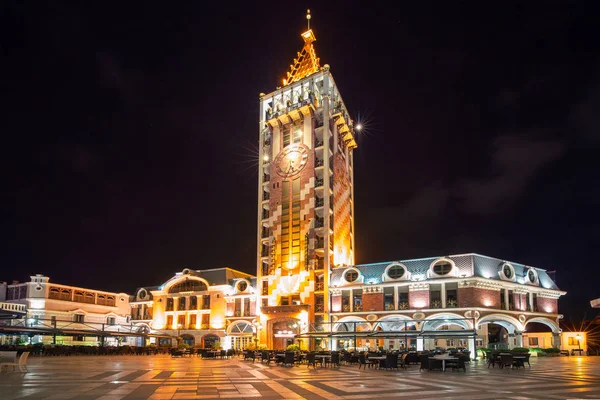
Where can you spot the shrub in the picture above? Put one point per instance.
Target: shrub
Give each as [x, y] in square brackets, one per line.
[293, 347]
[552, 350]
[520, 350]
[183, 346]
[262, 347]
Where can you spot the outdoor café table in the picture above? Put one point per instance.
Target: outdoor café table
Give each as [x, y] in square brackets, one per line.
[444, 359]
[324, 357]
[381, 359]
[8, 356]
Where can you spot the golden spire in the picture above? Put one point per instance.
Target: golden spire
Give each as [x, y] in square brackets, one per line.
[307, 62]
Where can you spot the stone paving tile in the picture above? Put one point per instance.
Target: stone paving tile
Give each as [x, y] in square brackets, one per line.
[162, 377]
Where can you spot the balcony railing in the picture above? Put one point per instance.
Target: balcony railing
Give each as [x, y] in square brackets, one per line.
[204, 326]
[319, 286]
[319, 162]
[358, 307]
[319, 202]
[319, 307]
[435, 304]
[403, 305]
[346, 308]
[452, 303]
[389, 306]
[246, 313]
[319, 223]
[266, 178]
[266, 196]
[319, 182]
[318, 142]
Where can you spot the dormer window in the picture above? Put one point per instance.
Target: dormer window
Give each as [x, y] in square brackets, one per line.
[242, 286]
[351, 275]
[532, 276]
[507, 272]
[442, 268]
[396, 271]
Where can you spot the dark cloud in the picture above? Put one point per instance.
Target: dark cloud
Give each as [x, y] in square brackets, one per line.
[514, 163]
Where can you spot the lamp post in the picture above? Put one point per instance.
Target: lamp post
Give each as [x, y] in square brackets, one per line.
[178, 337]
[578, 336]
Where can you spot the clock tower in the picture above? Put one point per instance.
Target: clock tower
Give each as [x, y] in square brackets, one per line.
[305, 198]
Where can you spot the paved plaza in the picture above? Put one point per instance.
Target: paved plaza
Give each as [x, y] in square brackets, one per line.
[163, 377]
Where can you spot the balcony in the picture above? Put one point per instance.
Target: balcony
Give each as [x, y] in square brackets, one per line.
[266, 178]
[319, 202]
[346, 308]
[265, 290]
[319, 286]
[451, 303]
[389, 306]
[318, 142]
[319, 222]
[246, 313]
[266, 196]
[285, 309]
[319, 182]
[403, 305]
[319, 162]
[319, 307]
[205, 327]
[358, 307]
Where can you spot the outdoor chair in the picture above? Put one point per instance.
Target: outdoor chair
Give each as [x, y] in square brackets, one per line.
[334, 360]
[21, 363]
[265, 357]
[527, 355]
[363, 361]
[506, 360]
[401, 360]
[249, 355]
[424, 361]
[457, 364]
[312, 360]
[391, 361]
[493, 359]
[289, 358]
[347, 358]
[435, 364]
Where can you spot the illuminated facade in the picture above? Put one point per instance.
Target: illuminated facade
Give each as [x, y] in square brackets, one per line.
[199, 308]
[57, 311]
[494, 299]
[305, 197]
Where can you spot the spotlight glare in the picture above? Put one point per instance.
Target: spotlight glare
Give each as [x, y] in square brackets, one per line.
[358, 127]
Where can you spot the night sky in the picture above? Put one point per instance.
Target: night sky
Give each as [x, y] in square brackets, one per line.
[130, 133]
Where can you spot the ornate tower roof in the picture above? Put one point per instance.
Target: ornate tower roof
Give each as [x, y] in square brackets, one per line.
[307, 62]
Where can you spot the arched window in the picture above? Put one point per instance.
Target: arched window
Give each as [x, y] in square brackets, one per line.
[242, 286]
[532, 276]
[396, 271]
[507, 272]
[189, 285]
[241, 328]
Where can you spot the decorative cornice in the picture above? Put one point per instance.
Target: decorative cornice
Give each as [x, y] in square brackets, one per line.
[479, 284]
[549, 295]
[418, 286]
[372, 289]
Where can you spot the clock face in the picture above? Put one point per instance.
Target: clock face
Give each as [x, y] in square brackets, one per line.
[291, 160]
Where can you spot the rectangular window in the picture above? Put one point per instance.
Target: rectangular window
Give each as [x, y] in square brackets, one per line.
[435, 296]
[345, 301]
[265, 302]
[285, 301]
[403, 298]
[286, 136]
[180, 321]
[193, 303]
[169, 322]
[181, 303]
[110, 321]
[78, 338]
[206, 302]
[388, 298]
[533, 341]
[511, 300]
[205, 321]
[297, 134]
[79, 318]
[238, 308]
[451, 295]
[192, 321]
[169, 306]
[265, 288]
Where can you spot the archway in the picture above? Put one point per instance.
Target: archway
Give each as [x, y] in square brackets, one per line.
[356, 329]
[389, 330]
[241, 334]
[444, 331]
[209, 341]
[500, 331]
[281, 332]
[188, 339]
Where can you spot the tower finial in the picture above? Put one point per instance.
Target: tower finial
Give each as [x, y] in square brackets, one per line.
[308, 18]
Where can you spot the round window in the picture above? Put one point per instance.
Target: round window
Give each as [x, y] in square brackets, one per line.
[351, 276]
[395, 272]
[242, 286]
[142, 294]
[442, 268]
[531, 276]
[507, 271]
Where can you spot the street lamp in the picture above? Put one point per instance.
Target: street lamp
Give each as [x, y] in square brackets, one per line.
[578, 337]
[179, 326]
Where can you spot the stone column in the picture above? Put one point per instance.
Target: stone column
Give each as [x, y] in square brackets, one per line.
[556, 340]
[519, 339]
[511, 340]
[419, 344]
